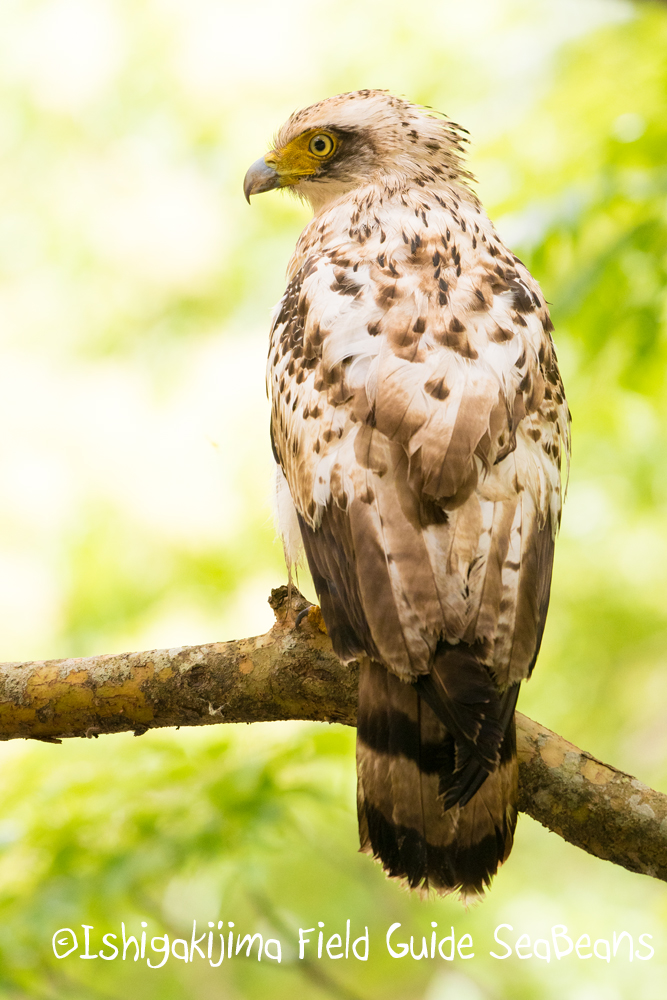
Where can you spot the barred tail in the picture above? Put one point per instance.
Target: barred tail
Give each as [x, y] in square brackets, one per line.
[436, 801]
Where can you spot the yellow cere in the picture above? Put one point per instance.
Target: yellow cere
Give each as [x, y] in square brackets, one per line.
[302, 156]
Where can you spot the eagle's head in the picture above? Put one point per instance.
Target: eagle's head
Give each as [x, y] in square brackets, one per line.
[341, 143]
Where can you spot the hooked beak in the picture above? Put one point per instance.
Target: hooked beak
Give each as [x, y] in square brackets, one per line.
[260, 177]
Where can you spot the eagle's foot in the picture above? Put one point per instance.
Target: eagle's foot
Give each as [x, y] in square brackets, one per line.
[302, 614]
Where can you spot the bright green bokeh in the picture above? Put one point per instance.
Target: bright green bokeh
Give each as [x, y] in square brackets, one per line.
[135, 288]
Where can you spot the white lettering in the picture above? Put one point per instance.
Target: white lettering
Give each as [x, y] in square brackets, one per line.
[498, 941]
[194, 941]
[250, 940]
[86, 932]
[424, 949]
[64, 941]
[560, 931]
[335, 941]
[105, 940]
[607, 955]
[364, 938]
[278, 954]
[547, 949]
[127, 942]
[522, 942]
[184, 957]
[645, 958]
[303, 941]
[617, 941]
[164, 951]
[583, 942]
[216, 965]
[465, 942]
[403, 946]
[450, 938]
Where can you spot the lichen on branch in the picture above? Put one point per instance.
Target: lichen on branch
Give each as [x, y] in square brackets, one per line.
[291, 672]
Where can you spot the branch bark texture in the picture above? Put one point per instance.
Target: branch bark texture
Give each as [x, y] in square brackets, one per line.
[291, 672]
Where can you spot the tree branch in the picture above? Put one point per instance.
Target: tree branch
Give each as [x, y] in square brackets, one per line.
[292, 673]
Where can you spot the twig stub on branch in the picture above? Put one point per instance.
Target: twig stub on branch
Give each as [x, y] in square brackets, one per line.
[291, 672]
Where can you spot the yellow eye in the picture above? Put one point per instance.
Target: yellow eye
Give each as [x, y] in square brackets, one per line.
[321, 145]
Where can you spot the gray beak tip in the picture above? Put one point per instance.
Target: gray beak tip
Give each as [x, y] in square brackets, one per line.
[260, 177]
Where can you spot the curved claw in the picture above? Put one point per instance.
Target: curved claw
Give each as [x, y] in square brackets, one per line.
[302, 614]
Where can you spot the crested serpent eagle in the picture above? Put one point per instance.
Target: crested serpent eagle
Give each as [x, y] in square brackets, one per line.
[418, 424]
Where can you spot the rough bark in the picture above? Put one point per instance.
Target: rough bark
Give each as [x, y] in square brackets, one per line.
[590, 804]
[292, 673]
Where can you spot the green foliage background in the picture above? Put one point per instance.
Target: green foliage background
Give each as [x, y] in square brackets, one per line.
[135, 287]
